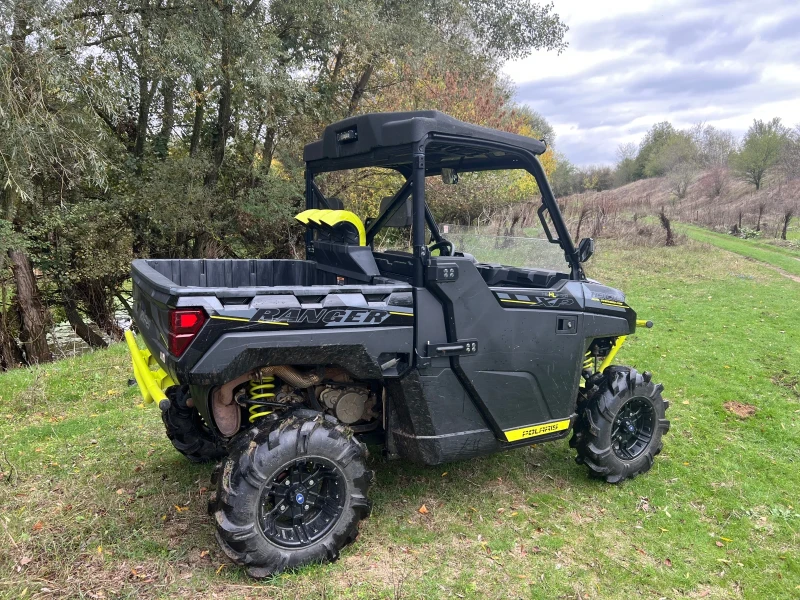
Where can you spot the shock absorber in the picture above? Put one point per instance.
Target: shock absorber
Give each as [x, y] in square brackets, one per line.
[260, 389]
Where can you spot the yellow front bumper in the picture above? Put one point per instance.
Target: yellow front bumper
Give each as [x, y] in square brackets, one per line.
[151, 383]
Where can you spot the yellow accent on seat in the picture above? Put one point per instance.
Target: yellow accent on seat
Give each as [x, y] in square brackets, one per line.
[530, 431]
[151, 383]
[303, 216]
[325, 217]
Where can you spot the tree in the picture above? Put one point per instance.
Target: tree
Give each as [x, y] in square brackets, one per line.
[790, 155]
[761, 150]
[715, 148]
[651, 143]
[176, 129]
[563, 179]
[625, 170]
[677, 158]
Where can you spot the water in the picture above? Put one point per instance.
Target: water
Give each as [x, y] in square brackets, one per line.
[64, 342]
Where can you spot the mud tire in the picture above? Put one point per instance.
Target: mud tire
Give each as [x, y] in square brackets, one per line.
[256, 458]
[186, 429]
[592, 436]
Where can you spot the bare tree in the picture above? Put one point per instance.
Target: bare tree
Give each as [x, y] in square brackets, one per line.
[787, 218]
[762, 206]
[581, 216]
[665, 223]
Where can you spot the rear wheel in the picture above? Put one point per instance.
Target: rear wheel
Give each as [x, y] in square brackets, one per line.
[186, 429]
[291, 494]
[619, 430]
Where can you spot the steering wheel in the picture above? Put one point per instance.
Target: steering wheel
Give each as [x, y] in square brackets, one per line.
[441, 246]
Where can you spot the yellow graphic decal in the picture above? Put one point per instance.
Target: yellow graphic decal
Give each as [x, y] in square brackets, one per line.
[244, 320]
[536, 430]
[518, 301]
[402, 314]
[611, 302]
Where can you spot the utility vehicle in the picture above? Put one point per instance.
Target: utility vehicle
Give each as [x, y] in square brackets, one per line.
[282, 369]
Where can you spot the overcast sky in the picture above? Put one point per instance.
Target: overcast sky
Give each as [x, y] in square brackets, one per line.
[633, 63]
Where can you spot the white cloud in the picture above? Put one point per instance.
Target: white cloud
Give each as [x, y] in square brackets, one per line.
[632, 64]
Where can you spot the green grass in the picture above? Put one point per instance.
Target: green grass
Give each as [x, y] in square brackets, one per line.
[98, 504]
[782, 257]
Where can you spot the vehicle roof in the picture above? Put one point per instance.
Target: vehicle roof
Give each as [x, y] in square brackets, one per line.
[387, 139]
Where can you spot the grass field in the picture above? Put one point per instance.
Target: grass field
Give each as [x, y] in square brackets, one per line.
[784, 258]
[95, 503]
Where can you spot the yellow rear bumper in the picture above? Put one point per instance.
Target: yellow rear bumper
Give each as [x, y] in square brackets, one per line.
[151, 383]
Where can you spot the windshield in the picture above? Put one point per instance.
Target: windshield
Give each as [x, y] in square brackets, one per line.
[520, 250]
[491, 215]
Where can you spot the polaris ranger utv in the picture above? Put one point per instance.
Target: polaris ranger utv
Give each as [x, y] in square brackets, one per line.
[280, 369]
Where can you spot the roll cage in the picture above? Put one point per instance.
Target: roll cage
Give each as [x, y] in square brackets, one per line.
[419, 145]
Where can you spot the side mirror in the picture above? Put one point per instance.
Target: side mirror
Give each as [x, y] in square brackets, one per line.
[449, 176]
[585, 249]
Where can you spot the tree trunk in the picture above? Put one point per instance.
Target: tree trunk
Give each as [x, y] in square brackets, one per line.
[199, 114]
[665, 223]
[270, 140]
[33, 315]
[10, 352]
[223, 127]
[787, 218]
[361, 87]
[167, 120]
[84, 331]
[760, 214]
[146, 93]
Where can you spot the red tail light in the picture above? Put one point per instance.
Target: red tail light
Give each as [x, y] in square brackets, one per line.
[184, 323]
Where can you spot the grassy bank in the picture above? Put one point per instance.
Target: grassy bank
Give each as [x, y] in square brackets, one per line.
[96, 503]
[784, 258]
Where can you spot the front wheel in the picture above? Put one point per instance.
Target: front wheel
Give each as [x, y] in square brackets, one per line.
[291, 494]
[619, 429]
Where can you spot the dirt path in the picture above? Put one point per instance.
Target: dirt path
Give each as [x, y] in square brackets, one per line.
[771, 267]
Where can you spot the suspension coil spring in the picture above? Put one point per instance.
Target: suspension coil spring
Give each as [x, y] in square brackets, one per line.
[260, 389]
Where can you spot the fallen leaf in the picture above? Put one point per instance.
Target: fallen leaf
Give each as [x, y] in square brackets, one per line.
[222, 566]
[120, 491]
[38, 526]
[25, 560]
[444, 474]
[704, 593]
[204, 553]
[724, 539]
[642, 552]
[718, 543]
[536, 549]
[668, 562]
[423, 510]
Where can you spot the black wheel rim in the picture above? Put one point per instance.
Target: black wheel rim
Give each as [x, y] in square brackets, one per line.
[301, 504]
[633, 428]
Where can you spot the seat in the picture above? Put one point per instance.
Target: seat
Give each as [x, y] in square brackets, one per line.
[340, 245]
